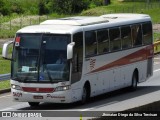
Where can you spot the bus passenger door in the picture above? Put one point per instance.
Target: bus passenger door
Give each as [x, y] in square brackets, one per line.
[77, 62]
[77, 57]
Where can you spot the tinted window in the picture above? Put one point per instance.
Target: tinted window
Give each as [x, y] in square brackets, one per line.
[103, 41]
[136, 35]
[147, 33]
[90, 43]
[115, 41]
[126, 37]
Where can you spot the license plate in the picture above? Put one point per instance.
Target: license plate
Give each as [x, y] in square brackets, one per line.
[38, 97]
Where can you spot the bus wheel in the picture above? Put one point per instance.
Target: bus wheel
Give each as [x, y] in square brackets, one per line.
[84, 95]
[33, 104]
[134, 82]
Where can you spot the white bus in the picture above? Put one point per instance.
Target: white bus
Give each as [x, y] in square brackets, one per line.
[72, 59]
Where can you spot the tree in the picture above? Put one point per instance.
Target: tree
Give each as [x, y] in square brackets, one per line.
[41, 7]
[4, 7]
[63, 6]
[107, 2]
[16, 7]
[70, 6]
[80, 5]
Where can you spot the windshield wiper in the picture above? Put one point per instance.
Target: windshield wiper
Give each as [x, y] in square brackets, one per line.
[16, 78]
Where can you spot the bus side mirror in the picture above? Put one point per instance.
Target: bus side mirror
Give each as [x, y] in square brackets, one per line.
[5, 54]
[70, 50]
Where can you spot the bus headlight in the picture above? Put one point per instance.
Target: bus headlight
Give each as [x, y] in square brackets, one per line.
[16, 87]
[63, 88]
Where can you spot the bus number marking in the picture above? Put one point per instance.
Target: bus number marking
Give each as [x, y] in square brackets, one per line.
[17, 94]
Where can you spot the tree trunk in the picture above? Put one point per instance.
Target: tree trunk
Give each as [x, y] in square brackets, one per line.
[107, 2]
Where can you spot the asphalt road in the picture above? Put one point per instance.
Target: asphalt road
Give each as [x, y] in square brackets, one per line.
[147, 92]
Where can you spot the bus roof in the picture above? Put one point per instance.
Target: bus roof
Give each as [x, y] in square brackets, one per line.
[74, 24]
[84, 21]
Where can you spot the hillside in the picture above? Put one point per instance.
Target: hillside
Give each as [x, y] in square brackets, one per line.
[9, 24]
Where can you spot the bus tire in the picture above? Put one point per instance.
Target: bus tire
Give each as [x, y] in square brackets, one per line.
[85, 93]
[133, 87]
[33, 104]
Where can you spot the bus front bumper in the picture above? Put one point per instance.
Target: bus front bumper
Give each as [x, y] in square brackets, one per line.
[55, 97]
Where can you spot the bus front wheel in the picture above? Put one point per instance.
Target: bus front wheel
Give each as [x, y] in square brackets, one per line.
[85, 95]
[33, 104]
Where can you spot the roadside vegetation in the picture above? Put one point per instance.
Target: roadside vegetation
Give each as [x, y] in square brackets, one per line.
[15, 14]
[4, 84]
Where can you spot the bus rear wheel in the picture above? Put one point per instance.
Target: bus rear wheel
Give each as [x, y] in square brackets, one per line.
[33, 104]
[134, 82]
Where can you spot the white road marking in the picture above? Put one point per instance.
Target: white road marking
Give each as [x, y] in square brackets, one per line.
[15, 107]
[6, 109]
[156, 63]
[157, 58]
[5, 96]
[86, 109]
[156, 70]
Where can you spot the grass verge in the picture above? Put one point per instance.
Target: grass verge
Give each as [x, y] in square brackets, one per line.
[4, 84]
[5, 66]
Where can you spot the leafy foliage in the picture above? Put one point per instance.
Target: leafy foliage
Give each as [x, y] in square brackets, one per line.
[4, 7]
[8, 7]
[46, 6]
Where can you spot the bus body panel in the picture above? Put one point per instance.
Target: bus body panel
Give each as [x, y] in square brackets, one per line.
[117, 75]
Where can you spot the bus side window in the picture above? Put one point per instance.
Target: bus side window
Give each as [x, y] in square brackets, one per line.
[136, 35]
[103, 41]
[126, 37]
[90, 43]
[147, 33]
[115, 40]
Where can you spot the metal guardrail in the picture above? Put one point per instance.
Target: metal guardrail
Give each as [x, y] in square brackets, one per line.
[4, 77]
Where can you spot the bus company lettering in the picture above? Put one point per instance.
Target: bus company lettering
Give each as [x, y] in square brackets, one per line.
[17, 94]
[136, 59]
[92, 63]
[50, 96]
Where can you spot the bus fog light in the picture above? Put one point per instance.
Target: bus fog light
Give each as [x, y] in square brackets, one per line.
[63, 88]
[16, 87]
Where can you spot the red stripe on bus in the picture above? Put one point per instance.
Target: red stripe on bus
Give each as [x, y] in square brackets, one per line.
[40, 90]
[137, 56]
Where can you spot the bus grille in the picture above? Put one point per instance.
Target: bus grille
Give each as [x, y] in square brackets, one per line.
[38, 90]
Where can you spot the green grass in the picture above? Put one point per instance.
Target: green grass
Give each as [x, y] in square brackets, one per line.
[10, 25]
[156, 36]
[127, 7]
[154, 13]
[4, 84]
[5, 66]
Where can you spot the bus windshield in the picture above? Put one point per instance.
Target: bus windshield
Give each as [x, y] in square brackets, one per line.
[40, 58]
